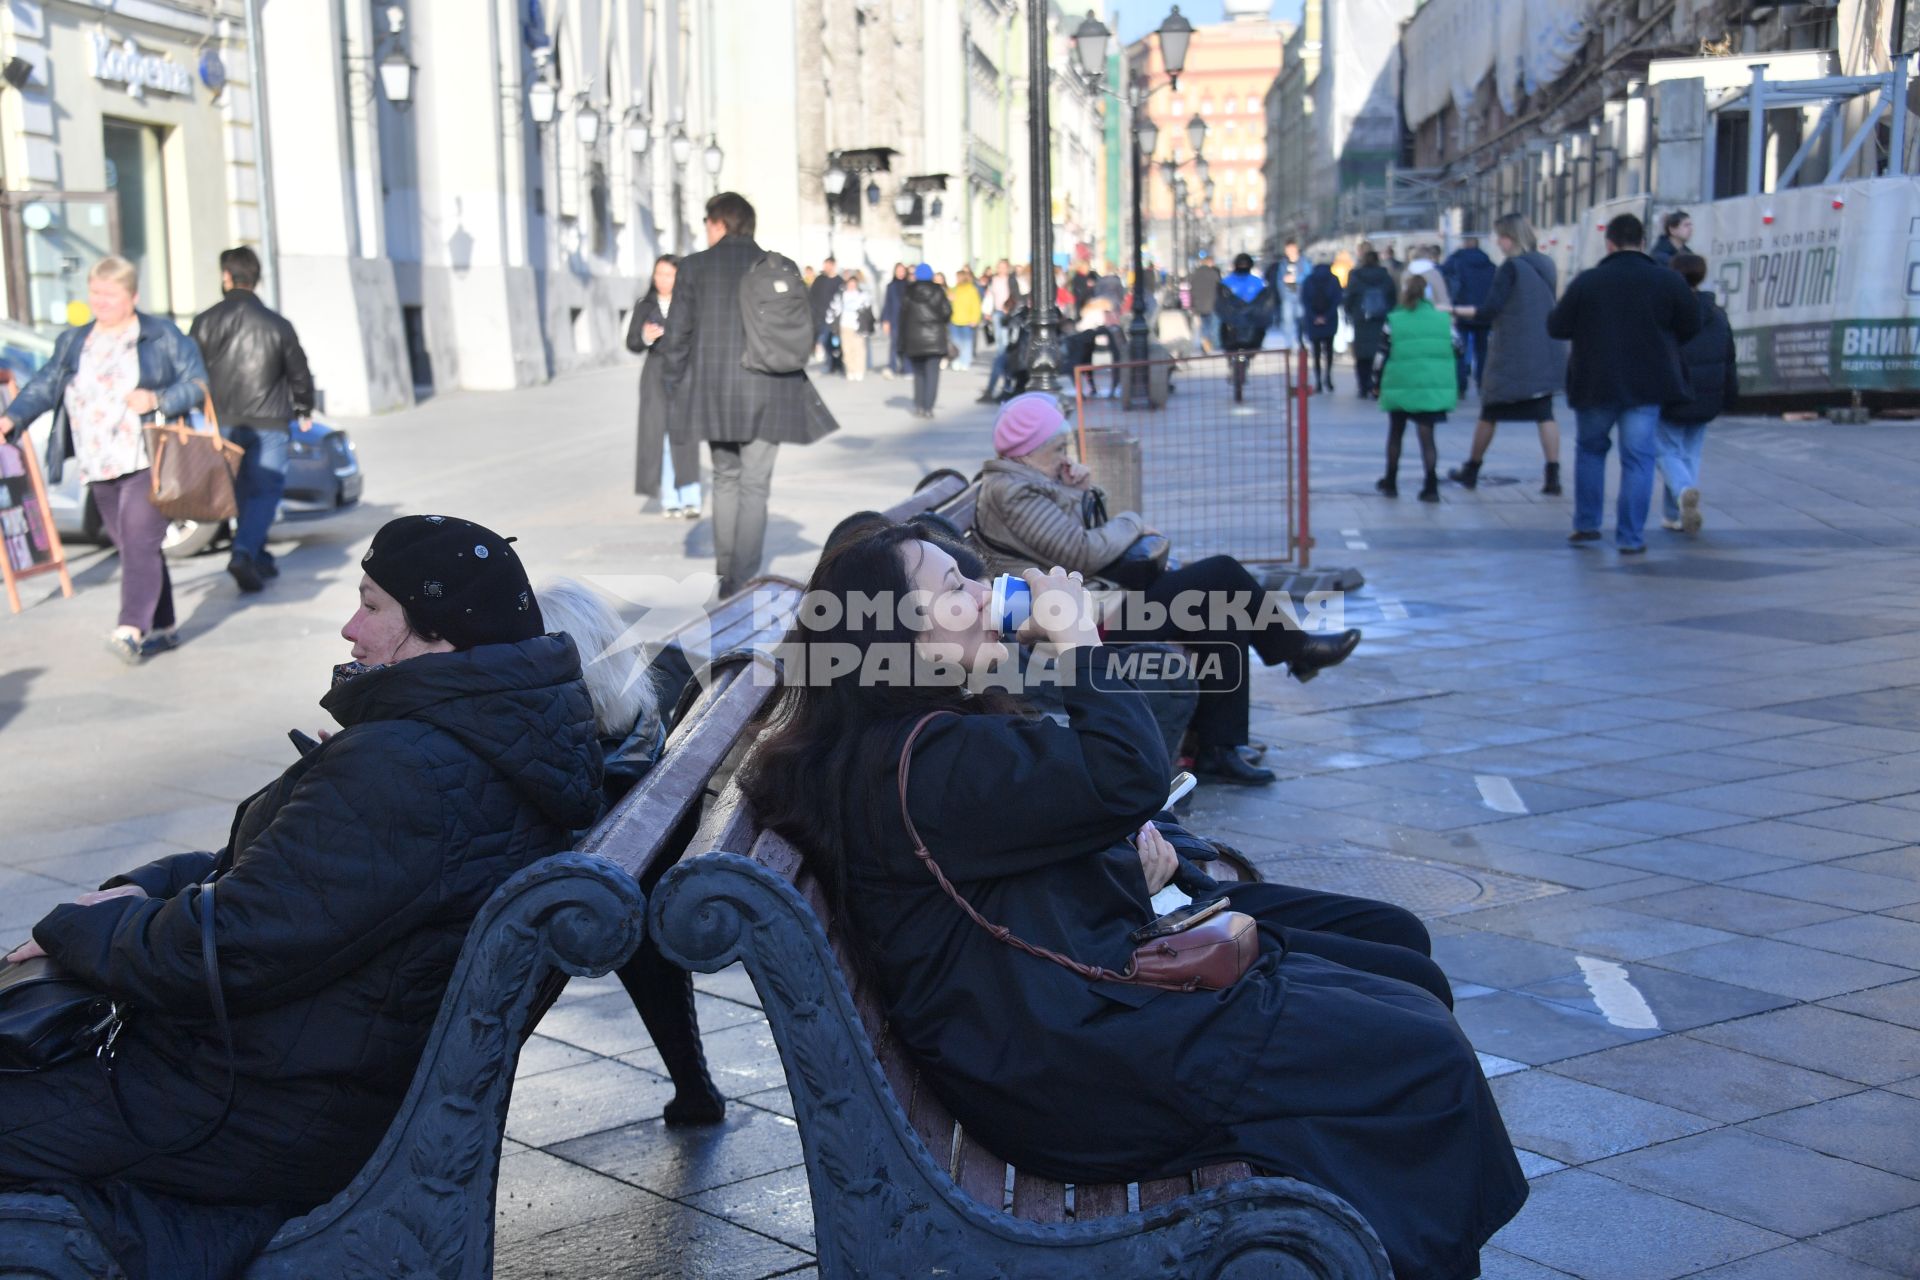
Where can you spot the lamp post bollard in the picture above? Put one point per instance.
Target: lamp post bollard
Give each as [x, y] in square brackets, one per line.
[1137, 334]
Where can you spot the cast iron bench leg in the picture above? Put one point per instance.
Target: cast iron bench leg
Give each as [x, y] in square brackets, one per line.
[883, 1206]
[423, 1206]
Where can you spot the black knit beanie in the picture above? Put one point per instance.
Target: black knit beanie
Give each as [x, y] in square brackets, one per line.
[457, 579]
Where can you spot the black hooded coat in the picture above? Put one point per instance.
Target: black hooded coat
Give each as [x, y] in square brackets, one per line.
[345, 894]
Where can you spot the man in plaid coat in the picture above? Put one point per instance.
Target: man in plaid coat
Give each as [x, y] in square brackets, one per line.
[743, 415]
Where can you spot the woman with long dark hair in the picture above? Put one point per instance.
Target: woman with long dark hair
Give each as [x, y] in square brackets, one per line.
[668, 462]
[1334, 1058]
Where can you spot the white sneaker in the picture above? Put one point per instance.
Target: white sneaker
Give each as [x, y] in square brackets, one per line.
[1671, 526]
[1690, 510]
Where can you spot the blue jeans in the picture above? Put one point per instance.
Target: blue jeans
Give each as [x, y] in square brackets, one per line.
[1680, 444]
[259, 486]
[998, 374]
[1210, 330]
[963, 342]
[1638, 426]
[677, 491]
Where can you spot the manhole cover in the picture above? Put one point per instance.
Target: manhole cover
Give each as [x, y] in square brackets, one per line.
[1424, 888]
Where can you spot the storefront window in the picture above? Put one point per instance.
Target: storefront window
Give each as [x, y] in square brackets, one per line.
[56, 238]
[137, 179]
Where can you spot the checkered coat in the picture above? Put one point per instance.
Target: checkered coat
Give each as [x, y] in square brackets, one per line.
[709, 390]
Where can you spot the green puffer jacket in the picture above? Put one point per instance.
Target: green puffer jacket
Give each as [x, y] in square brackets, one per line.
[1419, 376]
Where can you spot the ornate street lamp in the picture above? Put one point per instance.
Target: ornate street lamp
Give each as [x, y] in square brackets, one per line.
[1090, 47]
[639, 131]
[1175, 34]
[682, 146]
[712, 158]
[1197, 133]
[834, 180]
[586, 121]
[903, 203]
[397, 70]
[542, 97]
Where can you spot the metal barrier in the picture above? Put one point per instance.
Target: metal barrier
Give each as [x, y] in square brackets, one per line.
[1222, 468]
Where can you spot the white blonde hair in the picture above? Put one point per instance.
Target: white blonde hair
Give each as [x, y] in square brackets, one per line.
[617, 681]
[117, 270]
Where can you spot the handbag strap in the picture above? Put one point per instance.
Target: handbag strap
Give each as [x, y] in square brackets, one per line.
[1092, 973]
[210, 974]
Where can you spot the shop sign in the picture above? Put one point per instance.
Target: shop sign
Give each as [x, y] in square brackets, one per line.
[123, 63]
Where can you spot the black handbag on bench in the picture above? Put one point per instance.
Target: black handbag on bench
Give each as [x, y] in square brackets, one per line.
[47, 1018]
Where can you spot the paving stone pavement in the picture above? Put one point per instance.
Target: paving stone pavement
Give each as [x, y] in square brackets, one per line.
[1660, 815]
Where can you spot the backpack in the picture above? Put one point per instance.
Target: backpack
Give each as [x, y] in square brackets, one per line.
[1375, 303]
[777, 316]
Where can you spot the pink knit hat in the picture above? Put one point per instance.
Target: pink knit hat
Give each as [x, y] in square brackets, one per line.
[1026, 422]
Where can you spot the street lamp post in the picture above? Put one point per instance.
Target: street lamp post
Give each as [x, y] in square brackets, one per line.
[1044, 360]
[1090, 44]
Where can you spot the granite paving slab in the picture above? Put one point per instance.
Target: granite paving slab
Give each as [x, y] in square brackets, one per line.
[1890, 1243]
[1835, 887]
[682, 1162]
[1875, 1128]
[1841, 1044]
[1767, 964]
[1735, 910]
[1704, 1079]
[1896, 1002]
[1780, 1186]
[1594, 1227]
[1576, 1122]
[1871, 937]
[1676, 1001]
[1796, 1262]
[1528, 1029]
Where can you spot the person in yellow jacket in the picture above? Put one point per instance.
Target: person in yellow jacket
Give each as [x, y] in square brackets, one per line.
[965, 297]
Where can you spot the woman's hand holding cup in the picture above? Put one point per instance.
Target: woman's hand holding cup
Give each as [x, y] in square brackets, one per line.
[1063, 613]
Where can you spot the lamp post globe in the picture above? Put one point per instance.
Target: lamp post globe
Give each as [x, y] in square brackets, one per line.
[682, 146]
[834, 181]
[396, 78]
[1148, 134]
[1175, 34]
[903, 204]
[712, 158]
[542, 98]
[1197, 133]
[586, 122]
[1090, 46]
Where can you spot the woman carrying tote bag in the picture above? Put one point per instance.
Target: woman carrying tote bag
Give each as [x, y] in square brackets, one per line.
[104, 377]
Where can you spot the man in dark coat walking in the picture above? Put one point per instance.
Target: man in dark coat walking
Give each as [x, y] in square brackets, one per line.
[1713, 372]
[1469, 275]
[258, 382]
[1203, 287]
[1626, 319]
[826, 287]
[742, 414]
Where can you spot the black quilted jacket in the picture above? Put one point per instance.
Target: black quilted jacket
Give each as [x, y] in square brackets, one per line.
[344, 896]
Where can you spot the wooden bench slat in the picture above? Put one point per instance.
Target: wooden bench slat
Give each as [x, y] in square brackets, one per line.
[981, 1174]
[1207, 1177]
[933, 1122]
[1099, 1200]
[1164, 1191]
[1038, 1199]
[945, 489]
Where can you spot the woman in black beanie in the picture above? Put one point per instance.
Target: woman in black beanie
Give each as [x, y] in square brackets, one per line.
[467, 750]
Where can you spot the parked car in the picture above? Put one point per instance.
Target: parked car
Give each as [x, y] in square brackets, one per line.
[323, 469]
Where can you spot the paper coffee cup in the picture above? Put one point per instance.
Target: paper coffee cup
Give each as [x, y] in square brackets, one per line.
[1012, 603]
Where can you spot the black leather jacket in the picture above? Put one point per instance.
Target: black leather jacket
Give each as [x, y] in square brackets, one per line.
[924, 313]
[258, 372]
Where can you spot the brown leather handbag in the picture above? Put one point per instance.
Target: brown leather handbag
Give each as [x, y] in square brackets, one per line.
[193, 472]
[1210, 955]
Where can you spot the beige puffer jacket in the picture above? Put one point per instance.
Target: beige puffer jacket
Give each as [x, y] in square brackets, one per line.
[1025, 520]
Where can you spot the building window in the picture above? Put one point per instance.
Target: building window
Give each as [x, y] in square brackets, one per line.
[1179, 105]
[1230, 106]
[1253, 103]
[1206, 106]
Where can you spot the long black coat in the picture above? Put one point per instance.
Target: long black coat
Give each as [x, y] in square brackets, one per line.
[657, 423]
[1352, 1081]
[1368, 335]
[719, 398]
[1626, 318]
[344, 897]
[1713, 372]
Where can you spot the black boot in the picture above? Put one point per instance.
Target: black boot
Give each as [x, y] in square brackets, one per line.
[1388, 485]
[663, 993]
[1317, 652]
[1226, 764]
[1430, 491]
[1552, 486]
[1466, 475]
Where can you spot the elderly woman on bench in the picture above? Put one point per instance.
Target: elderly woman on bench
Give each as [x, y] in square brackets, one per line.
[1035, 511]
[265, 1073]
[1334, 1058]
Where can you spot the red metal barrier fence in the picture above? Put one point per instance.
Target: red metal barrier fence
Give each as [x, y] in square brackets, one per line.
[1221, 466]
